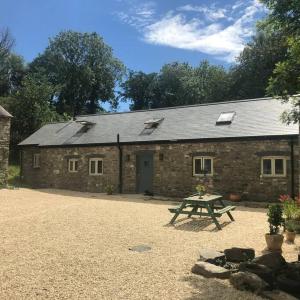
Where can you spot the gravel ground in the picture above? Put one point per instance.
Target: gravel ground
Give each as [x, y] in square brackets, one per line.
[68, 245]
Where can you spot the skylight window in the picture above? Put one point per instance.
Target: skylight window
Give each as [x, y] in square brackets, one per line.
[151, 125]
[225, 118]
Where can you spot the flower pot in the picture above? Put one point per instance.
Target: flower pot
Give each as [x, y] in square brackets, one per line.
[274, 241]
[290, 236]
[234, 197]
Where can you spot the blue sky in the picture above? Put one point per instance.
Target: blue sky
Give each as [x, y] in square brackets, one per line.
[143, 34]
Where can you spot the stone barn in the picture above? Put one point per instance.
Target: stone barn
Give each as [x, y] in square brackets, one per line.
[4, 144]
[237, 146]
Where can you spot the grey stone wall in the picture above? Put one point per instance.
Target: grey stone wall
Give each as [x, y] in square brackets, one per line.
[237, 168]
[4, 149]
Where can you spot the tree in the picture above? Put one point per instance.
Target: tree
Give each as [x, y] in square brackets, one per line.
[285, 81]
[84, 69]
[6, 44]
[31, 107]
[176, 84]
[12, 73]
[255, 65]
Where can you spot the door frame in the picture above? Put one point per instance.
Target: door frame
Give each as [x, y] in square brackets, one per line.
[137, 154]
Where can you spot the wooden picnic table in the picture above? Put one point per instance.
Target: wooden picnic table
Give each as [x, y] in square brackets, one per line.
[213, 204]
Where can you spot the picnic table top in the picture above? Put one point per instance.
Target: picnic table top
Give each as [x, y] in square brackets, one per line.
[205, 198]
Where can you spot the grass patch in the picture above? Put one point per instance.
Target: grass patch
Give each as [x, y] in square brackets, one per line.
[14, 175]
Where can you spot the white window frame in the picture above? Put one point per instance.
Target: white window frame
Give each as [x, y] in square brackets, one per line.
[273, 174]
[72, 162]
[96, 160]
[36, 160]
[202, 158]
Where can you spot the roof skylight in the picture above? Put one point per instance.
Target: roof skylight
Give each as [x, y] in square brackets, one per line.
[151, 125]
[225, 118]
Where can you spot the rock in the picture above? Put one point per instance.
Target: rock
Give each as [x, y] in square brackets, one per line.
[233, 267]
[277, 295]
[273, 260]
[288, 283]
[264, 272]
[246, 281]
[212, 256]
[239, 254]
[210, 271]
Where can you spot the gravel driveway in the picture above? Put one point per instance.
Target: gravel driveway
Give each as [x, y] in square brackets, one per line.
[67, 245]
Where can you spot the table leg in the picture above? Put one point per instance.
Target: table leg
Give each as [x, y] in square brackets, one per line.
[182, 206]
[195, 208]
[228, 213]
[211, 213]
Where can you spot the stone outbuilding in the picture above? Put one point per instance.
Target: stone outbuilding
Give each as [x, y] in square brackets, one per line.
[5, 118]
[236, 146]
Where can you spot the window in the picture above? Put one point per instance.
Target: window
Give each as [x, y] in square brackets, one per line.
[96, 166]
[202, 165]
[225, 118]
[273, 166]
[36, 160]
[73, 165]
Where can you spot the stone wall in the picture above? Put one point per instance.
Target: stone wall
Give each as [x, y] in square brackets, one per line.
[237, 168]
[4, 149]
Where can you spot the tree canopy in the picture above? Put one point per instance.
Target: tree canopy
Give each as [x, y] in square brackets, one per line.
[83, 69]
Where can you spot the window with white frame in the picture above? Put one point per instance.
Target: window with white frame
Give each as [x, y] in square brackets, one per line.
[73, 165]
[96, 166]
[273, 166]
[202, 165]
[36, 160]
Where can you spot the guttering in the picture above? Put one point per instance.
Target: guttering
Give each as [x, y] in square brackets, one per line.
[172, 141]
[292, 169]
[120, 165]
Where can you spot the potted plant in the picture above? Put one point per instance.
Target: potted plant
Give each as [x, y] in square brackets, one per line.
[201, 190]
[291, 211]
[273, 238]
[290, 233]
[109, 189]
[234, 196]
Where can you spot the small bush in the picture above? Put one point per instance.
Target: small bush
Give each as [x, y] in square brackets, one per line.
[275, 218]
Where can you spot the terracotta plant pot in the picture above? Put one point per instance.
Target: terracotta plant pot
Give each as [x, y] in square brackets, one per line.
[274, 241]
[290, 236]
[234, 197]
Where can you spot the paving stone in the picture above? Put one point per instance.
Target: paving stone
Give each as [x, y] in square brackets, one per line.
[140, 248]
[212, 256]
[210, 271]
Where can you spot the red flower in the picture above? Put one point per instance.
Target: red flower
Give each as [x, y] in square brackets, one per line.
[283, 198]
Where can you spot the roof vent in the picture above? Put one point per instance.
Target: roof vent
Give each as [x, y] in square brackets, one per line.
[151, 125]
[225, 118]
[86, 125]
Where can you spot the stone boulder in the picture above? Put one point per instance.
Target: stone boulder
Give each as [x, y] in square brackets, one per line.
[239, 254]
[272, 260]
[212, 256]
[264, 272]
[246, 281]
[210, 271]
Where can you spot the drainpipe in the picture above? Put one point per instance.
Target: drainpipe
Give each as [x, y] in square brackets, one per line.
[120, 165]
[292, 169]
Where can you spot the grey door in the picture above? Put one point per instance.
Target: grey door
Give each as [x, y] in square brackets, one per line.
[144, 172]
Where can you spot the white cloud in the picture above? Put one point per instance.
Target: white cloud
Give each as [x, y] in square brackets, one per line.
[212, 13]
[224, 40]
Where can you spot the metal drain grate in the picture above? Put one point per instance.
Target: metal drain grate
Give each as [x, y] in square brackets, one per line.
[140, 248]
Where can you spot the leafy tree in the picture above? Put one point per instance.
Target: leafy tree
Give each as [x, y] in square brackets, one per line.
[255, 65]
[13, 70]
[176, 84]
[84, 69]
[6, 44]
[285, 81]
[31, 107]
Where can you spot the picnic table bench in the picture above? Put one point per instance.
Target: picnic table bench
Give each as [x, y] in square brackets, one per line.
[213, 204]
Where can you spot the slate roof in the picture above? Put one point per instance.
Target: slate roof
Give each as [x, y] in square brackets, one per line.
[4, 113]
[253, 118]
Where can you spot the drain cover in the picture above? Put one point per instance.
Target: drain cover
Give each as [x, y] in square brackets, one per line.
[140, 248]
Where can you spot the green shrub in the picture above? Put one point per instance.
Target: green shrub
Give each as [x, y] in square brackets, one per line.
[275, 218]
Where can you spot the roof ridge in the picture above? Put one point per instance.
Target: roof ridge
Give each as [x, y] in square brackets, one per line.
[176, 107]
